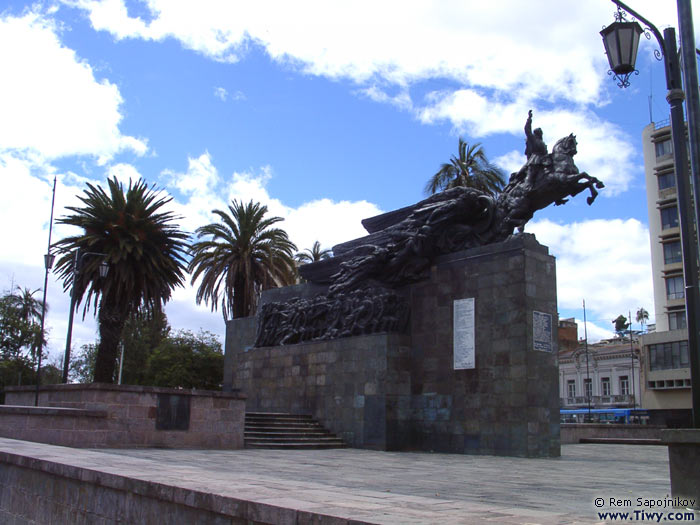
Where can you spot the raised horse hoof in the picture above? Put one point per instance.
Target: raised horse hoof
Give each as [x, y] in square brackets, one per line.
[599, 184]
[590, 200]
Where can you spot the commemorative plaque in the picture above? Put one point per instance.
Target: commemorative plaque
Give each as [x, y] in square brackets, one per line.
[463, 330]
[541, 331]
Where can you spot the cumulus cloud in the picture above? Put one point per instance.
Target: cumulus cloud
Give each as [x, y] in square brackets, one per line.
[497, 64]
[607, 152]
[604, 262]
[125, 173]
[50, 100]
[203, 189]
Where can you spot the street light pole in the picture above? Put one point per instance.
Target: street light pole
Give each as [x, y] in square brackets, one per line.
[78, 257]
[48, 263]
[686, 211]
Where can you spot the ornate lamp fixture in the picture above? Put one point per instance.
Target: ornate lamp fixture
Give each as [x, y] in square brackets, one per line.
[621, 41]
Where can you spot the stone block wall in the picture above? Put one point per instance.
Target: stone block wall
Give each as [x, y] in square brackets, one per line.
[508, 404]
[101, 415]
[401, 392]
[357, 387]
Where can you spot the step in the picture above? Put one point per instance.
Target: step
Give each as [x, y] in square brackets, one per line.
[621, 441]
[296, 446]
[273, 415]
[287, 434]
[276, 430]
[277, 424]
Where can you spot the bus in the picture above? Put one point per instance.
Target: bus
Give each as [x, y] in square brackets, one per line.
[605, 415]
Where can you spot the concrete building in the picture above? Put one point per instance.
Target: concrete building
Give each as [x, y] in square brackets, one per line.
[665, 371]
[608, 372]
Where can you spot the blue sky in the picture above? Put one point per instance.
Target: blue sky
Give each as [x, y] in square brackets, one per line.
[326, 113]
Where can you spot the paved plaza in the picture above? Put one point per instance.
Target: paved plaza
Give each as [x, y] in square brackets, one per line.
[393, 487]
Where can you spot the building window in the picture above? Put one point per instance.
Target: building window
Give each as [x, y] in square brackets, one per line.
[664, 148]
[588, 388]
[624, 386]
[571, 388]
[665, 356]
[672, 252]
[676, 320]
[667, 180]
[675, 288]
[605, 386]
[669, 217]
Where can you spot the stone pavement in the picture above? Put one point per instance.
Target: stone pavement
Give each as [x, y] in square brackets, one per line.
[362, 486]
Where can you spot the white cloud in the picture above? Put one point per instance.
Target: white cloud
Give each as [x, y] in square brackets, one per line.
[220, 93]
[604, 262]
[511, 162]
[605, 152]
[501, 58]
[203, 189]
[50, 100]
[125, 173]
[592, 331]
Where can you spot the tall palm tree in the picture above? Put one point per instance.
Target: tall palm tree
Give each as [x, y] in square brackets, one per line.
[313, 254]
[642, 316]
[28, 307]
[470, 169]
[144, 250]
[239, 257]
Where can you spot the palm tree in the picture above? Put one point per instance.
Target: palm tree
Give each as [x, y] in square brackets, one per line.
[313, 254]
[239, 257]
[27, 306]
[642, 316]
[470, 169]
[143, 248]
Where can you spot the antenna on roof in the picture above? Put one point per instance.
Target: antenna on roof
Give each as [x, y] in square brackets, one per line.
[651, 93]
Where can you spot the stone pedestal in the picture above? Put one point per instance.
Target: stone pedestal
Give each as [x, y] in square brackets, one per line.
[684, 464]
[402, 391]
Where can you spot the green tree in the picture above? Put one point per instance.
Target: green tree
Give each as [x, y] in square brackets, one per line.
[19, 329]
[471, 169]
[142, 333]
[145, 252]
[239, 257]
[642, 317]
[188, 361]
[313, 254]
[621, 325]
[82, 366]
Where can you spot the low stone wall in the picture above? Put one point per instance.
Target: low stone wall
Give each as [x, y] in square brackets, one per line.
[100, 415]
[574, 432]
[36, 490]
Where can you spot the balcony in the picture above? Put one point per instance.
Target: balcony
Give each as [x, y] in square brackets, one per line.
[620, 400]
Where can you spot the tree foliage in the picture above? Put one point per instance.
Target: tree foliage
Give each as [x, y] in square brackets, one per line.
[471, 169]
[313, 254]
[20, 315]
[642, 316]
[239, 257]
[20, 337]
[186, 360]
[143, 247]
[154, 356]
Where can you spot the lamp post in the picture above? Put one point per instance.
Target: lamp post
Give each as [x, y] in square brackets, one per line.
[621, 40]
[48, 264]
[103, 269]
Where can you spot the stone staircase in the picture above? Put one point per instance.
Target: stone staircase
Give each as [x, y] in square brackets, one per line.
[287, 431]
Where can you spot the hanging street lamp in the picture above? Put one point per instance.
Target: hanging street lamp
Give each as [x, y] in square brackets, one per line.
[621, 41]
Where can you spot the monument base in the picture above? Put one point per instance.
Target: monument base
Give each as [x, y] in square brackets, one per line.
[476, 373]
